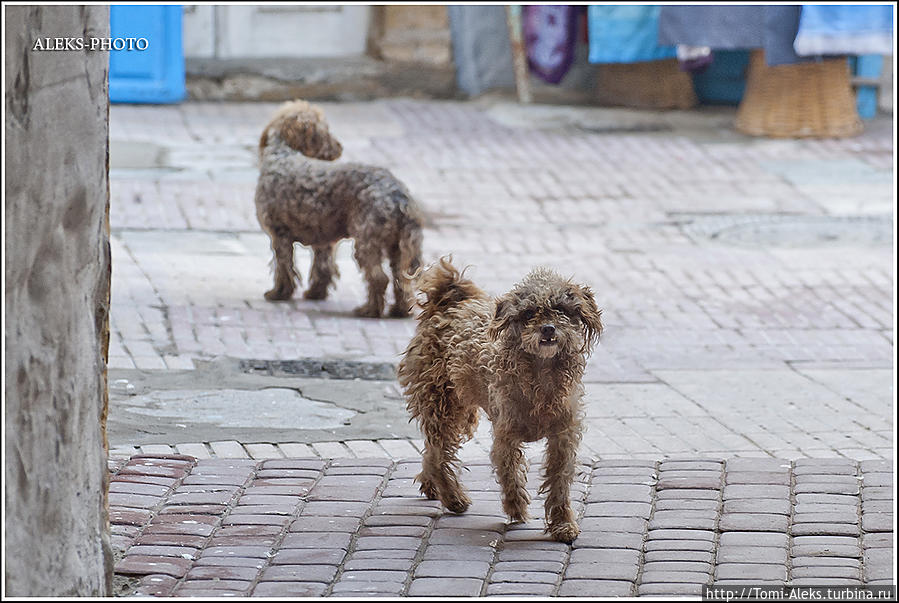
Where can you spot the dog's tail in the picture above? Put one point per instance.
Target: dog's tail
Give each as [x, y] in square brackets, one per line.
[444, 286]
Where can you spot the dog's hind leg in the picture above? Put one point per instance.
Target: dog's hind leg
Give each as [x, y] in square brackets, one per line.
[511, 472]
[286, 275]
[402, 267]
[444, 426]
[323, 272]
[558, 473]
[369, 258]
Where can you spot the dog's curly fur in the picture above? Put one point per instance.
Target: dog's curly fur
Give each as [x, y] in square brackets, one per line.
[521, 359]
[316, 203]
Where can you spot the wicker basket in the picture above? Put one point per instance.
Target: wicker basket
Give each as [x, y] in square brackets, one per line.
[645, 85]
[801, 100]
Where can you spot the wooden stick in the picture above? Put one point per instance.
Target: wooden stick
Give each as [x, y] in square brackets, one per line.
[519, 58]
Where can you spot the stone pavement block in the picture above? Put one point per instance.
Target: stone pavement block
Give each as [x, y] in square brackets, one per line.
[304, 572]
[512, 554]
[520, 589]
[452, 569]
[675, 556]
[316, 540]
[195, 586]
[825, 562]
[600, 570]
[674, 577]
[387, 542]
[634, 525]
[878, 540]
[663, 534]
[753, 522]
[753, 554]
[608, 540]
[386, 564]
[137, 565]
[595, 588]
[289, 589]
[156, 585]
[456, 587]
[311, 556]
[695, 504]
[757, 505]
[682, 520]
[736, 491]
[677, 566]
[679, 545]
[826, 488]
[826, 571]
[523, 576]
[822, 529]
[369, 576]
[750, 571]
[222, 573]
[877, 522]
[672, 589]
[402, 554]
[185, 552]
[257, 552]
[774, 539]
[605, 556]
[779, 477]
[458, 552]
[528, 566]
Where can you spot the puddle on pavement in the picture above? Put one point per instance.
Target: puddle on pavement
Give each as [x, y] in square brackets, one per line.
[270, 408]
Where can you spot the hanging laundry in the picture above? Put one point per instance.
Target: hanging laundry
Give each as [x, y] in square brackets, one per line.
[694, 59]
[845, 29]
[625, 34]
[734, 27]
[550, 36]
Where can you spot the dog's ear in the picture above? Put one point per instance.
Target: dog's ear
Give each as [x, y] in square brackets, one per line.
[589, 314]
[502, 318]
[310, 137]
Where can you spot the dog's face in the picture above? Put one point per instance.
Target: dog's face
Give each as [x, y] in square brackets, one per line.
[546, 315]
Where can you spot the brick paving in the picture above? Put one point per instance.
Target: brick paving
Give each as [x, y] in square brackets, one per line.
[357, 527]
[739, 408]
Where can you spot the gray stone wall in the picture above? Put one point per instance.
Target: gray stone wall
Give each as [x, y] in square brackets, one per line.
[57, 295]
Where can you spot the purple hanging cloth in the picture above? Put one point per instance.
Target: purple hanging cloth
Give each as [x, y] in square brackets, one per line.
[550, 34]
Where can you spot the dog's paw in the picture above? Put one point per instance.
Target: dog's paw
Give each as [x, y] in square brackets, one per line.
[315, 293]
[367, 311]
[397, 311]
[428, 490]
[280, 294]
[564, 532]
[457, 503]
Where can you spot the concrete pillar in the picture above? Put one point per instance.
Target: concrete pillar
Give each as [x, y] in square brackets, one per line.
[57, 298]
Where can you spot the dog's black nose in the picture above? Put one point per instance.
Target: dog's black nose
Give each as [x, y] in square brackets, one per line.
[547, 330]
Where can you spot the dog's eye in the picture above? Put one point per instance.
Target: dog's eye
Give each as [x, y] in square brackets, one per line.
[566, 310]
[528, 314]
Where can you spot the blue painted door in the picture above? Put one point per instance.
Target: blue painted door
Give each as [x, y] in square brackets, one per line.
[146, 62]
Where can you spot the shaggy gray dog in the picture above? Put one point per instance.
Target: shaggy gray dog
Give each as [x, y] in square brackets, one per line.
[316, 203]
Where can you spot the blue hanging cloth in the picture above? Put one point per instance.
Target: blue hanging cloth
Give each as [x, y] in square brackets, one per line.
[625, 34]
[844, 29]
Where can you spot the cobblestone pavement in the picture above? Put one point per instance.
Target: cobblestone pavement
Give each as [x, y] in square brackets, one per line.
[747, 284]
[739, 408]
[350, 527]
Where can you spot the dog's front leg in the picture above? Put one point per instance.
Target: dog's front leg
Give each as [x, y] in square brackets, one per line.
[558, 473]
[511, 471]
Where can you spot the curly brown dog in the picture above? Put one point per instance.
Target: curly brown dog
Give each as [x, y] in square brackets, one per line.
[316, 203]
[520, 358]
